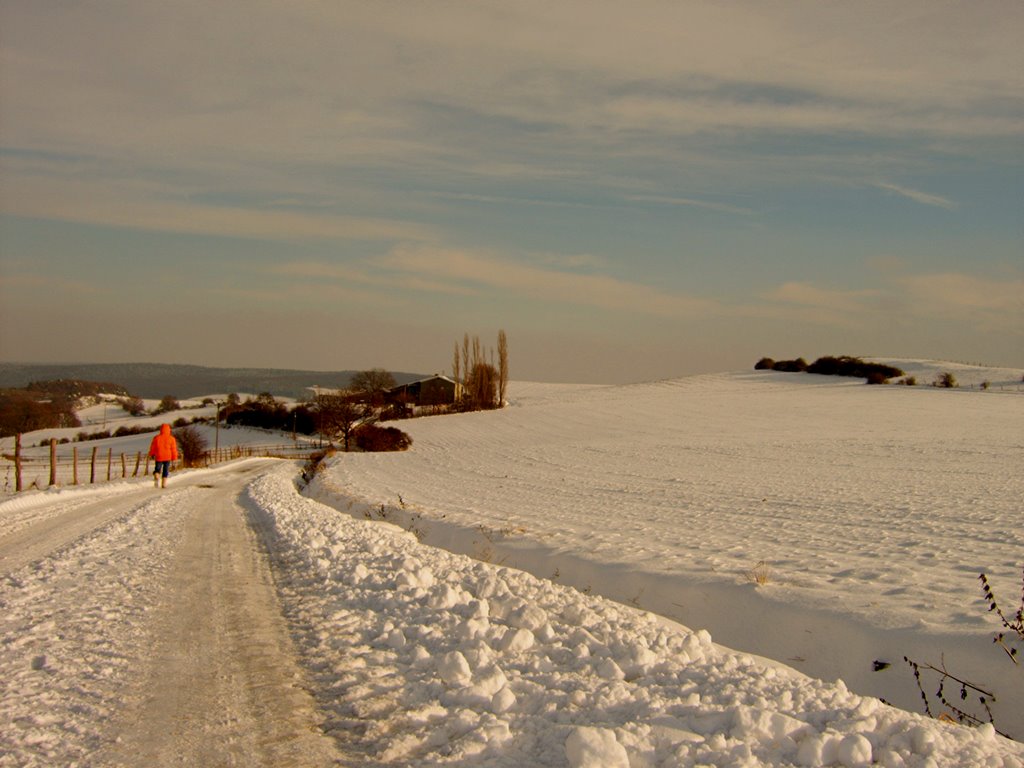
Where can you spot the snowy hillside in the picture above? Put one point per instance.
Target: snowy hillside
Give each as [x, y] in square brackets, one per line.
[868, 511]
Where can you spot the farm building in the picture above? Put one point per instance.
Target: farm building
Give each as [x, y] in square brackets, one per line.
[433, 390]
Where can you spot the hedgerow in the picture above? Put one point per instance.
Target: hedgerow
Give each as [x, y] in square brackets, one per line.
[843, 365]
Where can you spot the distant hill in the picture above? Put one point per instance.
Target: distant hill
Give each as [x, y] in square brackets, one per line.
[154, 380]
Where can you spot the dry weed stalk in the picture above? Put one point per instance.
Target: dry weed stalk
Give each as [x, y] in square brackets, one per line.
[760, 574]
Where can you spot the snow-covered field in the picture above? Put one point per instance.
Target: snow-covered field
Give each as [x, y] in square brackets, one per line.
[867, 511]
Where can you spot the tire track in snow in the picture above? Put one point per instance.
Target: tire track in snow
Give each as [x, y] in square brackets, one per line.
[223, 685]
[34, 542]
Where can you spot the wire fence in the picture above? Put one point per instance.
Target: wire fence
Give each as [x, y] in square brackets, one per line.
[91, 466]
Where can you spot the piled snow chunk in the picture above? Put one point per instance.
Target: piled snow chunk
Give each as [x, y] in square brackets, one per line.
[454, 670]
[609, 670]
[486, 683]
[396, 639]
[516, 641]
[589, 747]
[410, 573]
[444, 597]
[503, 700]
[854, 750]
[750, 724]
[528, 617]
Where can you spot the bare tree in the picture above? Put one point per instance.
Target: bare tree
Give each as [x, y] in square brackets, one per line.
[372, 384]
[482, 386]
[456, 366]
[339, 415]
[478, 356]
[502, 367]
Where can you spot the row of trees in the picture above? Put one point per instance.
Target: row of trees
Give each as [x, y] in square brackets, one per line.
[843, 365]
[483, 383]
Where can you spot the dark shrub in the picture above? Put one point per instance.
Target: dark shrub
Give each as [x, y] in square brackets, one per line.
[374, 438]
[192, 444]
[764, 364]
[791, 366]
[167, 403]
[844, 365]
[133, 405]
[876, 377]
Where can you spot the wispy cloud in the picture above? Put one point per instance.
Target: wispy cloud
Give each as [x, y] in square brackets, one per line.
[490, 273]
[924, 198]
[983, 303]
[687, 202]
[130, 206]
[809, 295]
[806, 302]
[571, 280]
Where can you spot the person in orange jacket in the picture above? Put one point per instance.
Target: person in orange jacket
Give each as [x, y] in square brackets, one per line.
[164, 450]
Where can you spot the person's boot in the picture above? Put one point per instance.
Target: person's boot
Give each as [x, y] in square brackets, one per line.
[163, 482]
[156, 479]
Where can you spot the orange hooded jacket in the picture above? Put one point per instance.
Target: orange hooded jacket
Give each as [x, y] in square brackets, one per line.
[164, 447]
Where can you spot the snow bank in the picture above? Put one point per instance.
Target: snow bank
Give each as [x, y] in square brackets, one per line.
[424, 657]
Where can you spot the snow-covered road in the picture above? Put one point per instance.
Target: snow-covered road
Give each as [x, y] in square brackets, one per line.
[142, 628]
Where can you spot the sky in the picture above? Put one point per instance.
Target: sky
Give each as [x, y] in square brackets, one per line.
[631, 191]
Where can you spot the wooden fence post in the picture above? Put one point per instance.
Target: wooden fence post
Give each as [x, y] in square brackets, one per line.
[17, 462]
[74, 465]
[53, 461]
[92, 466]
[138, 460]
[110, 462]
[124, 467]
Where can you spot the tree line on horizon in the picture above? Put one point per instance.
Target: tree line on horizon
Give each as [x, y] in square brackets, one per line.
[843, 365]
